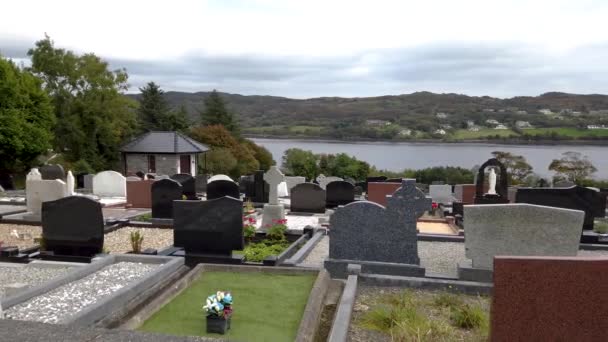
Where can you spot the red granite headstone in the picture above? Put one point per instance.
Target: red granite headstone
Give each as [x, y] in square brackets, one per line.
[376, 192]
[139, 193]
[550, 299]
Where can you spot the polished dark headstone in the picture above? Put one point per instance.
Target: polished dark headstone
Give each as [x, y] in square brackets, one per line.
[221, 188]
[140, 174]
[256, 189]
[592, 202]
[73, 226]
[188, 185]
[52, 171]
[339, 193]
[80, 180]
[164, 192]
[208, 227]
[6, 181]
[502, 185]
[200, 183]
[307, 198]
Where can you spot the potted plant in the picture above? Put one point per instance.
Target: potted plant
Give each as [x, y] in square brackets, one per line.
[218, 308]
[137, 238]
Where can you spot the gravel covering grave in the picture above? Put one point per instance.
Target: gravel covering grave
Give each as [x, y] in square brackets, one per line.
[119, 241]
[71, 298]
[27, 276]
[318, 254]
[30, 232]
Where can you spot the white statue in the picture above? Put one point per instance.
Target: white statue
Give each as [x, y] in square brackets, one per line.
[492, 182]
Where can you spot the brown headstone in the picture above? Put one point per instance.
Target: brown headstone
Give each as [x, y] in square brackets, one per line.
[377, 192]
[550, 299]
[139, 193]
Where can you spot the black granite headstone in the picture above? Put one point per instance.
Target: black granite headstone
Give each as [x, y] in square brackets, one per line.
[339, 193]
[6, 181]
[221, 188]
[246, 185]
[208, 227]
[73, 226]
[188, 185]
[52, 171]
[164, 192]
[308, 198]
[592, 202]
[501, 196]
[256, 188]
[80, 180]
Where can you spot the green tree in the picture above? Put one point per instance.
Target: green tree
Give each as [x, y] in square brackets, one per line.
[93, 116]
[26, 118]
[517, 166]
[297, 162]
[261, 154]
[154, 113]
[573, 166]
[216, 113]
[220, 161]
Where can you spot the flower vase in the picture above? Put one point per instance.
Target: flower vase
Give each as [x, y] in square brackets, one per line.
[217, 325]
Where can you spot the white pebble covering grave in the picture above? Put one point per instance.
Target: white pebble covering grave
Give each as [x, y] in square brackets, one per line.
[71, 298]
[27, 276]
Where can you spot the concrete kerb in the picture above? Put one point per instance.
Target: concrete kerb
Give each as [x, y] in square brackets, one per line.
[341, 323]
[106, 306]
[301, 254]
[13, 212]
[292, 249]
[457, 286]
[311, 317]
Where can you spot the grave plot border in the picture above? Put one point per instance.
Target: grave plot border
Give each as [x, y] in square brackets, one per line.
[303, 252]
[97, 311]
[310, 318]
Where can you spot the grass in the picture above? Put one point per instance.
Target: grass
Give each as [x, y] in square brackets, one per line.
[600, 227]
[267, 307]
[484, 132]
[299, 129]
[569, 132]
[144, 217]
[425, 316]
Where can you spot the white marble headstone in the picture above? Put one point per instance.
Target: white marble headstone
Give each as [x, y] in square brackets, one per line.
[109, 184]
[273, 177]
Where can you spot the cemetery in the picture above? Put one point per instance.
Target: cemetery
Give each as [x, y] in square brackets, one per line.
[275, 257]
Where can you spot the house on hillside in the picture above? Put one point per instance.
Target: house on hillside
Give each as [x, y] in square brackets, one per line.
[377, 122]
[523, 124]
[162, 153]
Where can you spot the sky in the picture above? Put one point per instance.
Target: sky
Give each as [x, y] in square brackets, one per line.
[313, 48]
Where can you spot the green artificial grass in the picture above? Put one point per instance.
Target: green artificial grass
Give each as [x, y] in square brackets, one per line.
[267, 307]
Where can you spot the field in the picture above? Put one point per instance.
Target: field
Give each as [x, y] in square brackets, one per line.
[466, 134]
[569, 132]
[267, 307]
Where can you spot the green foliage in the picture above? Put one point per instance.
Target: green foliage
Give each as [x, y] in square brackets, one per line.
[137, 238]
[600, 227]
[261, 154]
[220, 161]
[93, 116]
[144, 217]
[277, 231]
[469, 317]
[447, 174]
[26, 118]
[297, 162]
[154, 113]
[573, 166]
[81, 166]
[216, 113]
[517, 166]
[447, 300]
[257, 252]
[343, 165]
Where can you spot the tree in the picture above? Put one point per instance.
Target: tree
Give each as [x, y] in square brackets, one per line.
[261, 154]
[573, 166]
[154, 113]
[517, 166]
[220, 161]
[26, 118]
[297, 162]
[216, 113]
[93, 116]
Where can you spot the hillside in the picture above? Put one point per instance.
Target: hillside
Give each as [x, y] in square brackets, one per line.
[425, 114]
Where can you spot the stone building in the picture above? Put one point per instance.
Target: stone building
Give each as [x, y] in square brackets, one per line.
[162, 153]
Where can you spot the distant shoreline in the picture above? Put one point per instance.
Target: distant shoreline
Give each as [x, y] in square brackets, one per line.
[437, 141]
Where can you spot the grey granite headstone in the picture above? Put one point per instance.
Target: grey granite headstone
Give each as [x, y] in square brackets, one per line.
[292, 181]
[519, 230]
[200, 182]
[307, 198]
[88, 182]
[52, 172]
[386, 237]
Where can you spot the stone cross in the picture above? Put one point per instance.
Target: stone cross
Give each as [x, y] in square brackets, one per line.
[409, 203]
[34, 175]
[273, 177]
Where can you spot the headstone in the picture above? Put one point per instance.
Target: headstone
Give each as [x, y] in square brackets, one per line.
[282, 190]
[292, 181]
[324, 180]
[221, 188]
[210, 229]
[519, 229]
[256, 189]
[219, 177]
[564, 184]
[512, 194]
[140, 174]
[273, 211]
[109, 184]
[188, 185]
[441, 193]
[70, 183]
[394, 180]
[383, 240]
[578, 198]
[52, 172]
[133, 179]
[164, 192]
[38, 191]
[245, 184]
[73, 226]
[139, 193]
[339, 193]
[200, 183]
[307, 198]
[549, 299]
[6, 181]
[88, 182]
[377, 192]
[465, 193]
[500, 196]
[80, 180]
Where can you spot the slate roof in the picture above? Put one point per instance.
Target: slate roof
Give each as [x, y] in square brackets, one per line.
[163, 142]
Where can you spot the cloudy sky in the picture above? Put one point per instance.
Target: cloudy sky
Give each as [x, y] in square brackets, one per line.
[310, 48]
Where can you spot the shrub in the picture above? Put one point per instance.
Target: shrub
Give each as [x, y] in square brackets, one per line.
[601, 227]
[137, 239]
[468, 317]
[257, 252]
[277, 231]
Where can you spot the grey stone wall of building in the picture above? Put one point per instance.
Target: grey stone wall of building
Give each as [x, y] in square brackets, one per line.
[166, 164]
